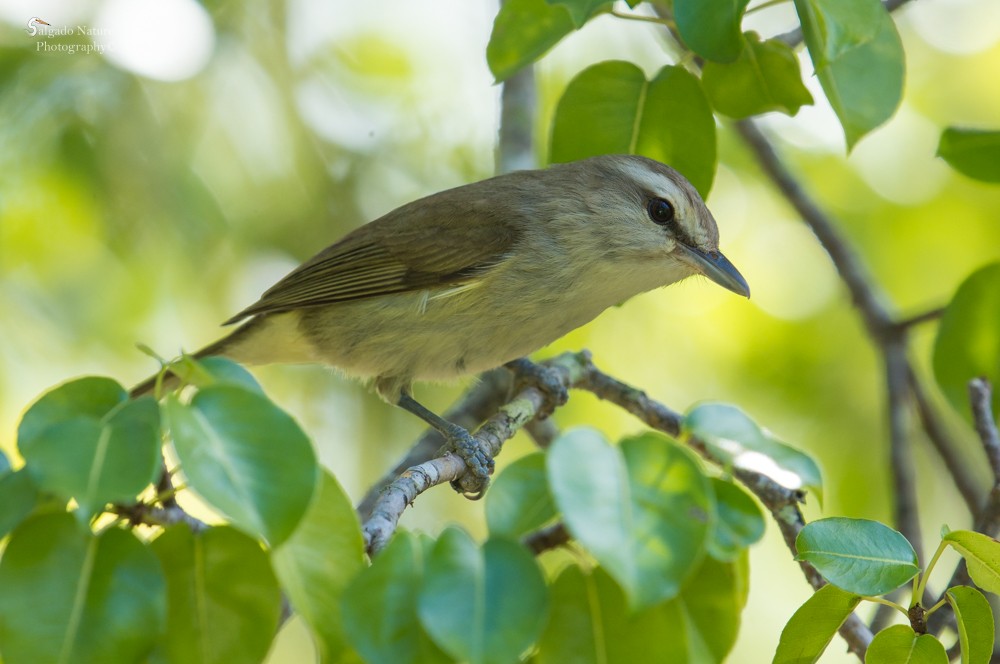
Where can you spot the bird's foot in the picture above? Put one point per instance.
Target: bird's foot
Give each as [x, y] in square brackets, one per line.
[473, 483]
[548, 381]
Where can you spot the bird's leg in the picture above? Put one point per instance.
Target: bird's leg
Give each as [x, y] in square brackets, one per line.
[548, 381]
[458, 440]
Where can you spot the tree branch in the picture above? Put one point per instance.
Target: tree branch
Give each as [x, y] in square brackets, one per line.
[937, 433]
[483, 399]
[511, 417]
[578, 371]
[981, 398]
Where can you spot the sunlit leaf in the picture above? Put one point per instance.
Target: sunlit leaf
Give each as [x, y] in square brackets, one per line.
[315, 564]
[642, 509]
[900, 645]
[99, 461]
[519, 500]
[223, 371]
[982, 556]
[739, 521]
[71, 596]
[93, 397]
[591, 624]
[524, 30]
[968, 339]
[470, 605]
[712, 605]
[18, 496]
[972, 152]
[736, 441]
[813, 625]
[379, 607]
[223, 599]
[858, 555]
[975, 624]
[765, 77]
[858, 57]
[711, 28]
[581, 11]
[612, 108]
[246, 457]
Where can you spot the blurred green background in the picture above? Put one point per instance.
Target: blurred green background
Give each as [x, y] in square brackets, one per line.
[149, 192]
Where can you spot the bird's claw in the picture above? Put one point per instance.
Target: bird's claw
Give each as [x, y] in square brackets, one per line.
[473, 483]
[548, 381]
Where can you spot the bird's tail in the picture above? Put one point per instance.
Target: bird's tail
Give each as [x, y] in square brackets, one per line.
[170, 380]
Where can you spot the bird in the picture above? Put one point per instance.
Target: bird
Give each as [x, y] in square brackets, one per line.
[477, 276]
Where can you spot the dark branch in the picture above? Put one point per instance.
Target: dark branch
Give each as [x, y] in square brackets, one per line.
[937, 433]
[981, 398]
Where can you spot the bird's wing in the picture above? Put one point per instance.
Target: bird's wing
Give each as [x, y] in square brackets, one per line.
[442, 240]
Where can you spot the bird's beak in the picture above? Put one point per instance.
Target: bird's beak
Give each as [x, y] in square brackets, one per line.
[717, 267]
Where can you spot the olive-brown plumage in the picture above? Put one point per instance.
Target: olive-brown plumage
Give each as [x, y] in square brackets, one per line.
[476, 276]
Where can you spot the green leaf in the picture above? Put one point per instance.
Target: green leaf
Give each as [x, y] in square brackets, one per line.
[812, 627]
[972, 152]
[765, 77]
[858, 57]
[315, 564]
[92, 397]
[223, 600]
[735, 441]
[246, 457]
[982, 556]
[4, 465]
[471, 607]
[968, 339]
[860, 556]
[591, 624]
[519, 500]
[900, 645]
[712, 604]
[711, 28]
[739, 521]
[581, 11]
[99, 461]
[379, 607]
[71, 597]
[223, 371]
[975, 624]
[642, 510]
[18, 497]
[524, 30]
[611, 108]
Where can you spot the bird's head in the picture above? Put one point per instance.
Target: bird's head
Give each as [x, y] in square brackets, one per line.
[656, 213]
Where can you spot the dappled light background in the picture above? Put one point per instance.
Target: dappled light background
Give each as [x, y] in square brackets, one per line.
[158, 173]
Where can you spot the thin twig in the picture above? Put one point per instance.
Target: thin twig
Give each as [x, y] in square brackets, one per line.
[988, 519]
[780, 501]
[919, 319]
[904, 481]
[544, 539]
[981, 399]
[508, 420]
[482, 400]
[962, 474]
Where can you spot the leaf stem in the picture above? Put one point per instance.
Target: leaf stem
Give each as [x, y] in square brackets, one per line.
[765, 5]
[641, 18]
[934, 608]
[918, 589]
[887, 602]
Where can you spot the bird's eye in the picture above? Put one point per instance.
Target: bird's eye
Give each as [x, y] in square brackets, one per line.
[660, 211]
